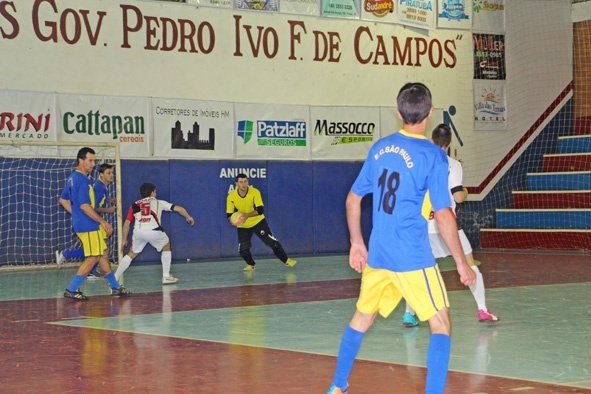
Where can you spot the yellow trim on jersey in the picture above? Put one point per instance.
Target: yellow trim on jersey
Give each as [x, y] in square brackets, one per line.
[427, 210]
[246, 204]
[382, 290]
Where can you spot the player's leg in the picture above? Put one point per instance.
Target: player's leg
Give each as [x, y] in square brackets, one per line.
[124, 264]
[244, 245]
[263, 231]
[425, 290]
[377, 294]
[138, 243]
[166, 259]
[91, 244]
[478, 290]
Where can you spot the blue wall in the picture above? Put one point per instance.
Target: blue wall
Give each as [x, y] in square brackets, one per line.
[304, 204]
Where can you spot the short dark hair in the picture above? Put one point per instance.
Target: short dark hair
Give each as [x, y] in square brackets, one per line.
[241, 176]
[146, 189]
[441, 135]
[105, 166]
[414, 102]
[83, 152]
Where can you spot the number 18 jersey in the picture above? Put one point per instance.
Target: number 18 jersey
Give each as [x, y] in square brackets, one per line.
[406, 174]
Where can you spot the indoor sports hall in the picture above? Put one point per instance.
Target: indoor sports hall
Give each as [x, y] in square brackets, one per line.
[189, 94]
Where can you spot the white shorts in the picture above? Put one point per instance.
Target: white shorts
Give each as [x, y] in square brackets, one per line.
[440, 249]
[158, 239]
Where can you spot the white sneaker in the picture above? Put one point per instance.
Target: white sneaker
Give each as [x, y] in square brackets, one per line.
[166, 280]
[59, 259]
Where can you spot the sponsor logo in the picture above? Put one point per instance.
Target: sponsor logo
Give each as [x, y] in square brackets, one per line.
[24, 126]
[485, 5]
[195, 140]
[345, 132]
[490, 108]
[380, 8]
[454, 10]
[123, 128]
[274, 132]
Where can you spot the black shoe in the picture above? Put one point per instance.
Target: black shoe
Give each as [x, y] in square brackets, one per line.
[75, 295]
[120, 292]
[94, 275]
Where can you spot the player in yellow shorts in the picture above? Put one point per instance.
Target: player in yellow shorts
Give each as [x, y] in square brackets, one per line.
[407, 175]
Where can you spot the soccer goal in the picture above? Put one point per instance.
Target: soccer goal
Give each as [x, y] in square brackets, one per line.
[32, 176]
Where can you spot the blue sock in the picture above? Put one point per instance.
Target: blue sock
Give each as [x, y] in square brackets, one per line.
[75, 254]
[76, 283]
[350, 344]
[110, 277]
[437, 363]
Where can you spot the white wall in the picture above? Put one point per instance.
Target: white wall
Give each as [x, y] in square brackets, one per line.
[538, 43]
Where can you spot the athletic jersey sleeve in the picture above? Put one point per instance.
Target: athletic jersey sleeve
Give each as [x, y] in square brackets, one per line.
[363, 184]
[130, 214]
[65, 193]
[230, 207]
[165, 205]
[257, 199]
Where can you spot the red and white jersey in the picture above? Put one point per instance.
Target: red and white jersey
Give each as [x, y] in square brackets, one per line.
[147, 213]
[456, 173]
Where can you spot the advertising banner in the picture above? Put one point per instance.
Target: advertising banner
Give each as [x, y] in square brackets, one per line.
[341, 8]
[257, 5]
[489, 56]
[266, 131]
[421, 14]
[87, 118]
[343, 133]
[490, 108]
[211, 3]
[489, 16]
[27, 116]
[300, 7]
[379, 11]
[454, 14]
[193, 129]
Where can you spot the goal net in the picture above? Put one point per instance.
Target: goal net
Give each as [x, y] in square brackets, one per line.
[34, 225]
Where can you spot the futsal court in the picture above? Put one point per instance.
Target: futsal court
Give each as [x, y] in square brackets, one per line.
[277, 330]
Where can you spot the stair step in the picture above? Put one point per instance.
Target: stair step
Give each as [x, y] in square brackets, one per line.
[548, 239]
[574, 144]
[547, 199]
[571, 180]
[544, 218]
[567, 162]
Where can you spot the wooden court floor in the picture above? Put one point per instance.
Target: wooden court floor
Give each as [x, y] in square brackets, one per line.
[277, 330]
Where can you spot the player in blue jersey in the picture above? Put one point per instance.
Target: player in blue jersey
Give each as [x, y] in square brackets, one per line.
[407, 174]
[104, 204]
[78, 198]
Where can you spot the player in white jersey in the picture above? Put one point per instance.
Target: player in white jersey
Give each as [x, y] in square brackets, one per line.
[147, 213]
[441, 136]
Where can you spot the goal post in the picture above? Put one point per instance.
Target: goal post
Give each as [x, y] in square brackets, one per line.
[32, 176]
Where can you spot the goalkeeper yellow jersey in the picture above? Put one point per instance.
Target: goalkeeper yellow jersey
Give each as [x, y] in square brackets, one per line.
[246, 204]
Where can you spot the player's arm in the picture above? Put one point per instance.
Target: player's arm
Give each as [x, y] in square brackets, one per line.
[126, 226]
[446, 222]
[66, 204]
[460, 194]
[90, 212]
[110, 209]
[184, 213]
[358, 252]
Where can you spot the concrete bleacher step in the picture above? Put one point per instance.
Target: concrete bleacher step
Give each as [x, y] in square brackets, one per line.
[544, 218]
[563, 162]
[574, 144]
[527, 238]
[569, 180]
[546, 199]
